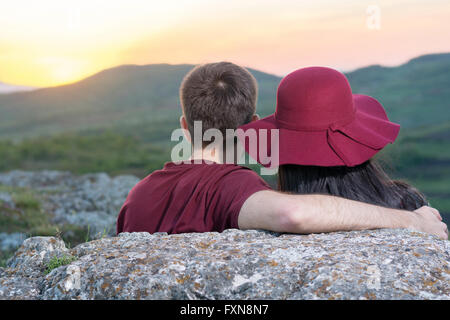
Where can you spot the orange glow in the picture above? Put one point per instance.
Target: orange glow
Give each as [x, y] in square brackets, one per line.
[53, 42]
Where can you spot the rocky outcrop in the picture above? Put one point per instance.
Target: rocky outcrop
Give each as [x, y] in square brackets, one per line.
[91, 201]
[378, 264]
[26, 269]
[381, 264]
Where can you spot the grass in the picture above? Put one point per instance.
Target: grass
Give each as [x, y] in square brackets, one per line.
[29, 218]
[422, 157]
[4, 256]
[56, 262]
[105, 151]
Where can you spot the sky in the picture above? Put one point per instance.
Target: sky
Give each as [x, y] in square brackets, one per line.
[54, 42]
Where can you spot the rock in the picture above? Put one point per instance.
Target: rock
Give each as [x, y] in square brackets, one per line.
[25, 269]
[377, 264]
[18, 288]
[11, 241]
[33, 255]
[90, 200]
[45, 179]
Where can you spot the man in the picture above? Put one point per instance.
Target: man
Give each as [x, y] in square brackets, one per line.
[209, 195]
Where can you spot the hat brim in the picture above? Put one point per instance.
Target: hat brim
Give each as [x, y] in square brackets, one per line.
[347, 145]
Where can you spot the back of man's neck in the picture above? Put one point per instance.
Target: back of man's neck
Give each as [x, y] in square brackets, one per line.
[206, 156]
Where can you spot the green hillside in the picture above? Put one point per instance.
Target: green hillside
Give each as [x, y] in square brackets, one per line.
[124, 96]
[414, 94]
[133, 97]
[120, 120]
[422, 157]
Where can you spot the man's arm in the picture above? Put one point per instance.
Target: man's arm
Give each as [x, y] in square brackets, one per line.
[305, 214]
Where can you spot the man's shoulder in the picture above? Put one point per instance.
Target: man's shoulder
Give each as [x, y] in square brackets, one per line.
[237, 177]
[173, 171]
[203, 165]
[241, 171]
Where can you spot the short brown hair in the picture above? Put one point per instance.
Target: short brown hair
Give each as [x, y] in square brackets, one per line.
[222, 95]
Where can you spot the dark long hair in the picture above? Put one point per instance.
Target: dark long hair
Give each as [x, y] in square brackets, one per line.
[366, 182]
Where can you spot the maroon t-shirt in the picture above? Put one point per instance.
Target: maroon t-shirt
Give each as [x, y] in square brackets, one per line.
[189, 198]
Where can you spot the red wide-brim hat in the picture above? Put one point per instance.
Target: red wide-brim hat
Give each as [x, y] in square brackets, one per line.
[320, 122]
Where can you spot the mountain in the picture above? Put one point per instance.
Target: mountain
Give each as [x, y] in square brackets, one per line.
[414, 94]
[130, 96]
[123, 96]
[9, 88]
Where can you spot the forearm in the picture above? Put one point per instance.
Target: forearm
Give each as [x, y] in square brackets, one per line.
[322, 213]
[282, 212]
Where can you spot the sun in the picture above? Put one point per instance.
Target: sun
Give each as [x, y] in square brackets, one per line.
[65, 73]
[63, 70]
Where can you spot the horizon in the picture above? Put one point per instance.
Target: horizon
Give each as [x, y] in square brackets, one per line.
[52, 43]
[179, 64]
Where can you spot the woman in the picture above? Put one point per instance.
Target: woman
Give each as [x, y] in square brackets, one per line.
[327, 139]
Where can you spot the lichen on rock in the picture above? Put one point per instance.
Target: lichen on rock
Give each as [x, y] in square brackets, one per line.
[80, 206]
[235, 264]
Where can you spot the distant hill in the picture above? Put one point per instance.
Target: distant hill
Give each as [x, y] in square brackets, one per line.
[131, 96]
[10, 88]
[415, 94]
[122, 96]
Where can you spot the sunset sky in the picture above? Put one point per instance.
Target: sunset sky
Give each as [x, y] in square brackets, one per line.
[50, 42]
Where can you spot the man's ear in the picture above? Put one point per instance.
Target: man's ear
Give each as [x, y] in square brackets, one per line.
[255, 117]
[184, 126]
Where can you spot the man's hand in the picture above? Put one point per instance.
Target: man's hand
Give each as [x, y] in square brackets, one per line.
[429, 220]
